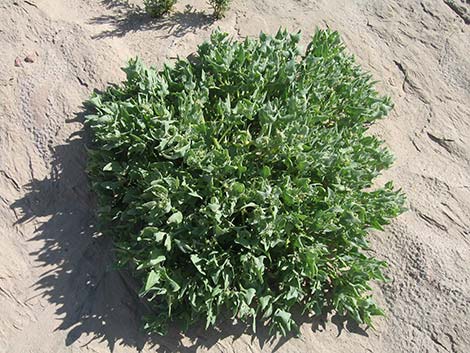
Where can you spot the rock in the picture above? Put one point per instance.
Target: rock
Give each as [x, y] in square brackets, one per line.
[30, 58]
[18, 62]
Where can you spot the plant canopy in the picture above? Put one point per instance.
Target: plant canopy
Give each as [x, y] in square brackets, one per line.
[241, 180]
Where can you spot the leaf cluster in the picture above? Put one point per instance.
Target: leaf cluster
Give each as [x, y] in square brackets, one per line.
[220, 7]
[241, 181]
[157, 8]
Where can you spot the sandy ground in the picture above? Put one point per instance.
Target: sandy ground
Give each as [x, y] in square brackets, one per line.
[58, 292]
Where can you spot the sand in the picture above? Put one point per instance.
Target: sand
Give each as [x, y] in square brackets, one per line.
[58, 290]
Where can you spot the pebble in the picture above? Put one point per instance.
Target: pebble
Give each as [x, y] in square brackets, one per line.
[30, 58]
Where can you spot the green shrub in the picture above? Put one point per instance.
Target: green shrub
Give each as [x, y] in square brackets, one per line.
[240, 181]
[157, 8]
[220, 7]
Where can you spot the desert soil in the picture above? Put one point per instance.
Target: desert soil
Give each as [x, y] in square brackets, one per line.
[58, 291]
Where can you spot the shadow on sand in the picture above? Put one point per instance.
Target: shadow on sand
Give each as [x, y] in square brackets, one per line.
[93, 299]
[127, 18]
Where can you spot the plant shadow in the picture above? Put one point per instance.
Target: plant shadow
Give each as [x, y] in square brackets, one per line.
[78, 276]
[94, 300]
[127, 18]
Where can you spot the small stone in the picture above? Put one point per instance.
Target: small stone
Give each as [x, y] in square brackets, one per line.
[18, 62]
[30, 58]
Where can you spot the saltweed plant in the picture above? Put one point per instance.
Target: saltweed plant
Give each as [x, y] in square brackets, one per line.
[220, 7]
[157, 8]
[240, 181]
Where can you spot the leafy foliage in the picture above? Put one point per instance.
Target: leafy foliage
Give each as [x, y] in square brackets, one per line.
[157, 8]
[220, 7]
[241, 180]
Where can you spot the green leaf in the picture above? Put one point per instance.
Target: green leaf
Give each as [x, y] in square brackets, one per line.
[238, 188]
[249, 295]
[195, 259]
[156, 256]
[265, 171]
[284, 319]
[154, 233]
[176, 218]
[264, 301]
[152, 279]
